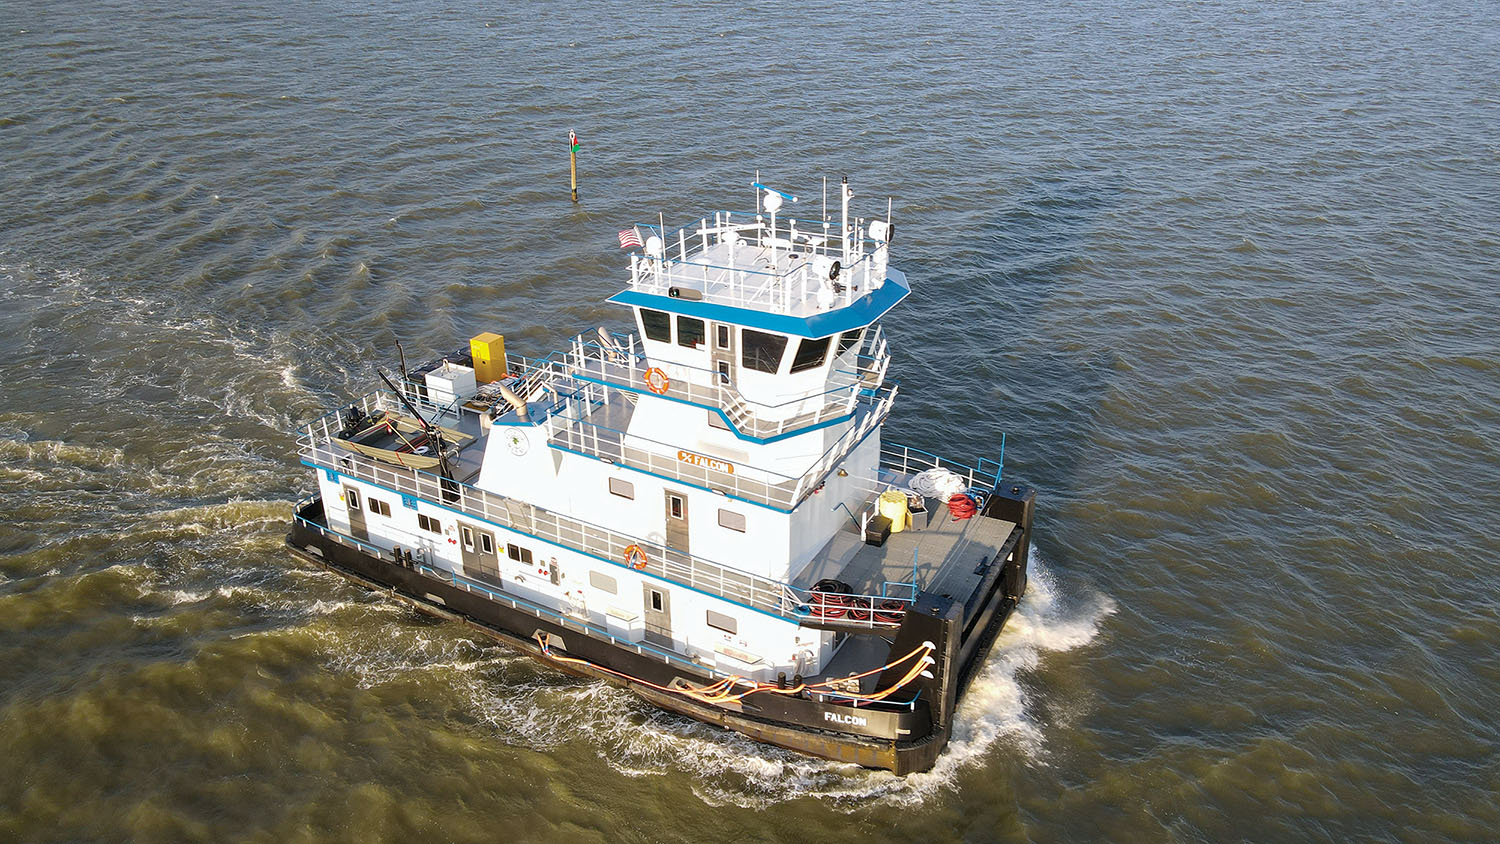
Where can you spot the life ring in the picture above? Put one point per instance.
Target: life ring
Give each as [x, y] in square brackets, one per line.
[635, 558]
[657, 381]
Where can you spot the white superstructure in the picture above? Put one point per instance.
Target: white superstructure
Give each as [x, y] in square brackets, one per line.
[668, 485]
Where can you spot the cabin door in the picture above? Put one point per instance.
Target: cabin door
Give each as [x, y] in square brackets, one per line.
[478, 550]
[658, 615]
[723, 353]
[677, 521]
[354, 503]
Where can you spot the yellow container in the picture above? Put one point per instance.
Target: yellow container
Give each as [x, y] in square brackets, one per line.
[488, 350]
[894, 507]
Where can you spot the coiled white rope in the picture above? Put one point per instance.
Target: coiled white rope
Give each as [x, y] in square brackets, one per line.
[938, 483]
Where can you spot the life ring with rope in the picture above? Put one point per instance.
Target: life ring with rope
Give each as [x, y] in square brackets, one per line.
[657, 381]
[635, 558]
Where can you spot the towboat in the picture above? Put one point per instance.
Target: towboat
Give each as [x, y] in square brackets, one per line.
[702, 510]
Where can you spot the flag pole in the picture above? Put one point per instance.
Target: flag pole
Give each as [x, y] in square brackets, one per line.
[573, 161]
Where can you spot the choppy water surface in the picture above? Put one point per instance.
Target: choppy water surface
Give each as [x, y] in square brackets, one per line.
[1224, 272]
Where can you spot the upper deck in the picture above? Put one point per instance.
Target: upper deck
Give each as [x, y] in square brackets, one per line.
[783, 274]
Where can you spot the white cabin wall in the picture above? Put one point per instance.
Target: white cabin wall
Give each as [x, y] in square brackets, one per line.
[777, 641]
[821, 516]
[399, 528]
[762, 549]
[686, 426]
[519, 464]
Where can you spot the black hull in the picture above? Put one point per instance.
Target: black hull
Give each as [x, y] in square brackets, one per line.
[903, 740]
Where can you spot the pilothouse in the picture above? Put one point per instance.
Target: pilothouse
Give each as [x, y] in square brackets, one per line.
[702, 509]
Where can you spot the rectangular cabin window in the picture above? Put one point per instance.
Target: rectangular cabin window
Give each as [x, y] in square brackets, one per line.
[720, 621]
[760, 351]
[622, 488]
[690, 332]
[656, 601]
[351, 498]
[810, 355]
[519, 554]
[721, 336]
[675, 503]
[656, 325]
[848, 340]
[468, 537]
[732, 520]
[378, 507]
[486, 543]
[603, 582]
[429, 524]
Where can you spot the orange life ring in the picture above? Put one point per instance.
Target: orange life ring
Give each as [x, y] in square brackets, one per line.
[657, 381]
[635, 557]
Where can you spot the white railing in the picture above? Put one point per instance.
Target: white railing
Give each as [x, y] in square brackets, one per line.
[746, 482]
[751, 483]
[984, 476]
[755, 591]
[703, 387]
[772, 596]
[723, 258]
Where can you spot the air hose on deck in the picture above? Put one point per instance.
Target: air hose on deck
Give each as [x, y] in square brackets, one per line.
[728, 690]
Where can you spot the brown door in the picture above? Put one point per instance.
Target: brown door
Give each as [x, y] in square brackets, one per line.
[677, 520]
[354, 502]
[722, 343]
[481, 561]
[658, 614]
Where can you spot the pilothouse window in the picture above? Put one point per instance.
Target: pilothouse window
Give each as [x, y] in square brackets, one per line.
[690, 332]
[810, 355]
[848, 340]
[760, 351]
[656, 325]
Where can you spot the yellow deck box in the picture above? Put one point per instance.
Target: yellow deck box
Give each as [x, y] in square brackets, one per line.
[488, 350]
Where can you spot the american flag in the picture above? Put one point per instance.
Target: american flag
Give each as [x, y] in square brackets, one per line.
[629, 239]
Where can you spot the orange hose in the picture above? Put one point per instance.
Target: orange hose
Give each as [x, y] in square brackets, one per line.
[719, 691]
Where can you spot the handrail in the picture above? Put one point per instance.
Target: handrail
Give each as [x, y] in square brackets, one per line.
[565, 620]
[755, 420]
[863, 259]
[752, 590]
[578, 435]
[983, 476]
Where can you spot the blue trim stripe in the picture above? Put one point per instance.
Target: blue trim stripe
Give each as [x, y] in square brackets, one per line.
[558, 545]
[863, 311]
